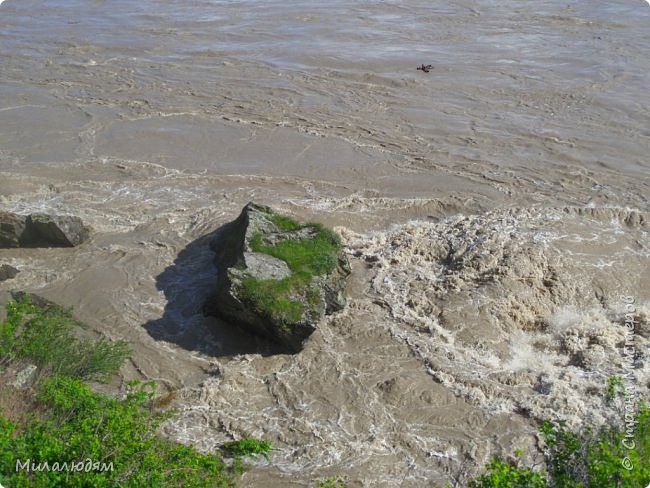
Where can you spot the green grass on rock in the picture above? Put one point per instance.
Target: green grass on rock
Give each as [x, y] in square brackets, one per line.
[306, 257]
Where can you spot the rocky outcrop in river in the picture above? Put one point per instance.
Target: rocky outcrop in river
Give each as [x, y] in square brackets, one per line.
[8, 272]
[277, 277]
[41, 230]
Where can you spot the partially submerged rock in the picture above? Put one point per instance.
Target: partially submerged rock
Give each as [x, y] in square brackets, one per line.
[41, 230]
[12, 227]
[7, 272]
[277, 277]
[55, 231]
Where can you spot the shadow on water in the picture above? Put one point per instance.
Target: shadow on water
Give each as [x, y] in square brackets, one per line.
[187, 284]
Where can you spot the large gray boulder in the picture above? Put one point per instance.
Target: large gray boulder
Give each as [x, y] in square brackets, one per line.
[277, 277]
[12, 227]
[54, 231]
[41, 230]
[7, 272]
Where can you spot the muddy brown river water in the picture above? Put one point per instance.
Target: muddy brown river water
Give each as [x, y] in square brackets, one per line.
[495, 211]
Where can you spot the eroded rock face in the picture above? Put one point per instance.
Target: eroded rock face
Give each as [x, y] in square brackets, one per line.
[41, 230]
[249, 277]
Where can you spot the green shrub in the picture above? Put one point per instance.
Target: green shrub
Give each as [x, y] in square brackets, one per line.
[331, 482]
[504, 475]
[87, 439]
[45, 337]
[586, 459]
[248, 446]
[613, 457]
[565, 452]
[82, 425]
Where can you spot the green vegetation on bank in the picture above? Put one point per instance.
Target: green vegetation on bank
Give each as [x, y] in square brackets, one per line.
[617, 457]
[117, 436]
[63, 434]
[44, 337]
[306, 256]
[501, 474]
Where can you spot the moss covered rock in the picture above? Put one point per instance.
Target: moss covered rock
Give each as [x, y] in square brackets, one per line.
[277, 277]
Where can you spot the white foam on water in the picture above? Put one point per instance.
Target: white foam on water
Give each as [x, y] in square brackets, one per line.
[538, 299]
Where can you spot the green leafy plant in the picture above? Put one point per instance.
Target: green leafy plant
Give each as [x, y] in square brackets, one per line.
[331, 482]
[617, 456]
[565, 452]
[81, 426]
[248, 446]
[586, 458]
[505, 475]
